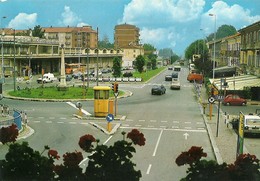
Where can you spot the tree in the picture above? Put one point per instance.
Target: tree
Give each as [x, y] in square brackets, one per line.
[139, 63]
[38, 32]
[117, 66]
[104, 43]
[223, 31]
[148, 49]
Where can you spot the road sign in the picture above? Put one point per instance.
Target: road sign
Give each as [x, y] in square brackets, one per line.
[211, 100]
[110, 117]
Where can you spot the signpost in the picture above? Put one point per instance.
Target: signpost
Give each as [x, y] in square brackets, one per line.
[109, 118]
[240, 138]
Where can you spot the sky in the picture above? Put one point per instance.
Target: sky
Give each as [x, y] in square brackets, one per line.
[171, 24]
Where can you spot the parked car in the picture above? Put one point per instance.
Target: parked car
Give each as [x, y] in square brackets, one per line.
[175, 84]
[233, 99]
[158, 89]
[168, 78]
[175, 75]
[170, 68]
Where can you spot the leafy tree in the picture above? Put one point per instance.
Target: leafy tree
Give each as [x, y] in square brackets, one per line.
[148, 49]
[104, 43]
[139, 63]
[38, 32]
[174, 58]
[117, 66]
[223, 31]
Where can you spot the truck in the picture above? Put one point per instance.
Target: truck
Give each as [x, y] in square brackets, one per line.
[47, 78]
[195, 77]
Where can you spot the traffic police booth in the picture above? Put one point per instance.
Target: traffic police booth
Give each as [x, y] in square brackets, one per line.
[101, 100]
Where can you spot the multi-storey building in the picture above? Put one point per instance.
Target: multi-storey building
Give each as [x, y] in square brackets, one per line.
[250, 48]
[127, 38]
[73, 37]
[230, 51]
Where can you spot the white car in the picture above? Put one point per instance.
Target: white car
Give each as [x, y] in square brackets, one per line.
[175, 84]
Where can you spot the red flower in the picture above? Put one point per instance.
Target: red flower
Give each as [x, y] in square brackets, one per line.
[136, 137]
[85, 142]
[72, 159]
[53, 154]
[8, 134]
[193, 155]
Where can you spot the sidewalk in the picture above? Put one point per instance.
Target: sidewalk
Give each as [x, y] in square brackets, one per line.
[223, 138]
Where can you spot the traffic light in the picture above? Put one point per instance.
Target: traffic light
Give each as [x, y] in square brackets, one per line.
[116, 87]
[113, 87]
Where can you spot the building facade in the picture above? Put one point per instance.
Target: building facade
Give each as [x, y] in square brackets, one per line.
[127, 38]
[73, 37]
[250, 48]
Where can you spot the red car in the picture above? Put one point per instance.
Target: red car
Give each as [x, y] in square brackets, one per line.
[233, 99]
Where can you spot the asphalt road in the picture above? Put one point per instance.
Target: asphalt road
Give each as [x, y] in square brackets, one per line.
[171, 123]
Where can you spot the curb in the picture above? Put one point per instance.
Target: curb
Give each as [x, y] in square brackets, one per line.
[104, 130]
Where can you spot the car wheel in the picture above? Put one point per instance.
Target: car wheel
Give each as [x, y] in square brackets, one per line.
[228, 103]
[243, 104]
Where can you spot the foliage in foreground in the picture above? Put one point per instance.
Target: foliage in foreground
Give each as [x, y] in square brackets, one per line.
[246, 167]
[105, 163]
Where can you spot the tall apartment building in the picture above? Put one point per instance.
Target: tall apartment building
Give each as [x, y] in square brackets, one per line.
[73, 37]
[127, 38]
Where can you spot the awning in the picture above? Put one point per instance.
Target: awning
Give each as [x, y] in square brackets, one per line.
[238, 82]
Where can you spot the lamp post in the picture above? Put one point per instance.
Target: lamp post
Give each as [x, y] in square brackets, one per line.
[214, 55]
[14, 63]
[2, 50]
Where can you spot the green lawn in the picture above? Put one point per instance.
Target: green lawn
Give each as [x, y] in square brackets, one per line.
[53, 93]
[149, 74]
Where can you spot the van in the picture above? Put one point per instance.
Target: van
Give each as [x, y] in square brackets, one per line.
[49, 77]
[252, 124]
[195, 77]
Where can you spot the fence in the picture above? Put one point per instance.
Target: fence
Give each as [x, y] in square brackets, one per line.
[9, 117]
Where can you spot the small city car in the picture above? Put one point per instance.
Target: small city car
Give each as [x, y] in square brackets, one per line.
[170, 68]
[168, 78]
[158, 89]
[233, 99]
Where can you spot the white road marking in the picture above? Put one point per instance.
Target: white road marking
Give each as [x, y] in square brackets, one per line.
[167, 129]
[187, 122]
[63, 118]
[148, 169]
[51, 117]
[60, 122]
[176, 121]
[141, 120]
[150, 126]
[162, 126]
[72, 123]
[129, 120]
[153, 121]
[164, 121]
[84, 111]
[199, 123]
[41, 117]
[138, 125]
[157, 144]
[187, 127]
[48, 121]
[37, 121]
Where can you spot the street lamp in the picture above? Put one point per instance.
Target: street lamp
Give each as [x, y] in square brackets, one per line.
[214, 56]
[14, 63]
[2, 50]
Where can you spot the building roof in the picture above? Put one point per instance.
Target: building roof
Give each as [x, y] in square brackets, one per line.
[68, 29]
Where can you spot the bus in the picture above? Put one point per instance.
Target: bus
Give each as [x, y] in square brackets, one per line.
[71, 68]
[177, 68]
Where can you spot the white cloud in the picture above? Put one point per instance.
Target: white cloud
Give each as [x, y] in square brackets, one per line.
[81, 24]
[69, 17]
[162, 22]
[2, 1]
[155, 11]
[234, 15]
[23, 21]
